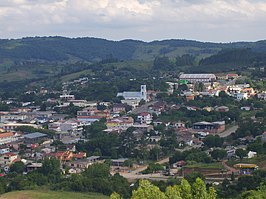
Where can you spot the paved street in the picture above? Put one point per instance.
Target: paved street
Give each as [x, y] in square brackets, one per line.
[228, 131]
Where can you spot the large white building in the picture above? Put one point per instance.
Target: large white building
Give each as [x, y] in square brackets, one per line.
[142, 95]
[198, 77]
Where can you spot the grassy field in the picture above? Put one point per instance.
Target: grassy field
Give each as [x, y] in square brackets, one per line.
[37, 194]
[215, 165]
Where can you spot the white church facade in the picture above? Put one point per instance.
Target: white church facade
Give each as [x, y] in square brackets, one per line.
[135, 96]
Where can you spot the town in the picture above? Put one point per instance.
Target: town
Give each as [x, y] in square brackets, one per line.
[197, 125]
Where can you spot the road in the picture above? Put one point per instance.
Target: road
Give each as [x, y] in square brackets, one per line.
[228, 131]
[143, 108]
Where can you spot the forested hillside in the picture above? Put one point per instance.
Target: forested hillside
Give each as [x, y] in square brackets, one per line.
[33, 59]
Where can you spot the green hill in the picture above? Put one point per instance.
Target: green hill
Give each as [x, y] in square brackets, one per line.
[50, 195]
[27, 60]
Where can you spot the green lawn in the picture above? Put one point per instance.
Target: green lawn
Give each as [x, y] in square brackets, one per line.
[38, 194]
[215, 165]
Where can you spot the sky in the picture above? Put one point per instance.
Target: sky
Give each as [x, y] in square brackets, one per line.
[203, 20]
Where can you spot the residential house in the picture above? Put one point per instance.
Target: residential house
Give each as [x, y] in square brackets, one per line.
[13, 117]
[83, 163]
[12, 126]
[245, 108]
[262, 96]
[144, 118]
[8, 159]
[120, 123]
[4, 149]
[180, 124]
[90, 116]
[33, 166]
[232, 76]
[8, 137]
[119, 108]
[155, 138]
[222, 109]
[157, 108]
[184, 137]
[241, 96]
[67, 97]
[63, 156]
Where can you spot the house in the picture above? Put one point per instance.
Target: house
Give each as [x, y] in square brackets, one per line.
[222, 109]
[252, 154]
[185, 137]
[180, 124]
[249, 91]
[118, 162]
[211, 127]
[262, 96]
[33, 138]
[12, 126]
[79, 155]
[90, 116]
[143, 127]
[155, 138]
[67, 97]
[232, 76]
[144, 118]
[8, 137]
[142, 95]
[179, 164]
[63, 156]
[120, 123]
[83, 163]
[4, 149]
[13, 117]
[33, 166]
[241, 96]
[190, 97]
[157, 108]
[8, 159]
[119, 108]
[245, 108]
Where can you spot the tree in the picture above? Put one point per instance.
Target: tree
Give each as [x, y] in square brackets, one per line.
[191, 177]
[255, 194]
[115, 196]
[218, 154]
[185, 189]
[241, 153]
[212, 193]
[199, 190]
[17, 167]
[213, 141]
[51, 169]
[146, 190]
[173, 192]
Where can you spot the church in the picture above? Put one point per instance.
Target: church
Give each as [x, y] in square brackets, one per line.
[128, 95]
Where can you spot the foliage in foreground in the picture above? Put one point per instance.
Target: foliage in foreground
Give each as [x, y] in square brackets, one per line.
[197, 190]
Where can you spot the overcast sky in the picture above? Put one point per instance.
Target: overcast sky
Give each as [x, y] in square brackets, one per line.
[204, 20]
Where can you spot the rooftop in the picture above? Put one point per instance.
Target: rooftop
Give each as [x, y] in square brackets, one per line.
[197, 76]
[34, 135]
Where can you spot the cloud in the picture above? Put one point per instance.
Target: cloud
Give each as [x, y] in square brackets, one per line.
[217, 20]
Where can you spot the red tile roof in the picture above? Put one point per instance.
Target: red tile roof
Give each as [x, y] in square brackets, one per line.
[5, 135]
